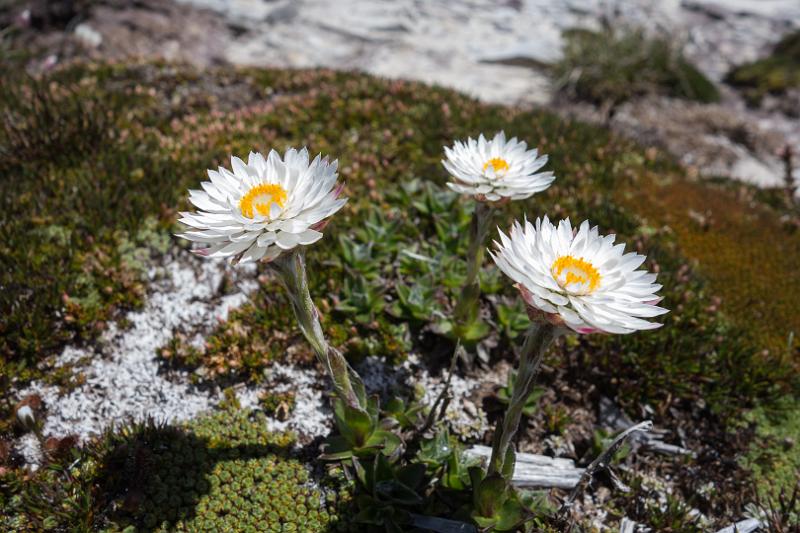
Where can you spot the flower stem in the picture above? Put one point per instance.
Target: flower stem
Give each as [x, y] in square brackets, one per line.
[467, 309]
[537, 339]
[346, 382]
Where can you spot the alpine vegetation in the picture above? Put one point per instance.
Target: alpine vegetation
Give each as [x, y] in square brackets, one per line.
[492, 172]
[269, 209]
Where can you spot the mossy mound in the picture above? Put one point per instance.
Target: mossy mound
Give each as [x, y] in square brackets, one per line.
[774, 74]
[221, 472]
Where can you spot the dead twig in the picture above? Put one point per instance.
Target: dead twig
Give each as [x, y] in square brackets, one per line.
[443, 399]
[601, 463]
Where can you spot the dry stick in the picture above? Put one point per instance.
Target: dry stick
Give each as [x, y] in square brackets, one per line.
[443, 397]
[601, 463]
[744, 526]
[787, 156]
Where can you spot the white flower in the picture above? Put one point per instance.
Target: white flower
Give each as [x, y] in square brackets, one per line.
[264, 207]
[579, 279]
[496, 169]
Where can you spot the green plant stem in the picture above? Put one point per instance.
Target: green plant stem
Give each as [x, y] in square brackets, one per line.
[467, 308]
[346, 382]
[537, 339]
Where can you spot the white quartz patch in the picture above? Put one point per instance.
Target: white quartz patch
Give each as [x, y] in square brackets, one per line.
[124, 380]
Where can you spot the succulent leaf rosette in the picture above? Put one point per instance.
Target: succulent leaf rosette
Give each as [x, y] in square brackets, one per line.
[264, 207]
[579, 279]
[497, 169]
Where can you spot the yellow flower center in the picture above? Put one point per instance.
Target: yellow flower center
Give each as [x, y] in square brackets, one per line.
[497, 163]
[568, 270]
[260, 199]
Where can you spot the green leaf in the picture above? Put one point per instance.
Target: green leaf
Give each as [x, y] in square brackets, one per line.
[454, 474]
[435, 451]
[361, 474]
[489, 495]
[511, 514]
[358, 426]
[336, 448]
[474, 331]
[509, 462]
[412, 475]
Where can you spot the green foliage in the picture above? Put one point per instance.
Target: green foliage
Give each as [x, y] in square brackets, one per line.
[406, 415]
[774, 74]
[361, 434]
[774, 456]
[513, 319]
[497, 506]
[415, 303]
[611, 66]
[221, 472]
[361, 299]
[443, 456]
[384, 491]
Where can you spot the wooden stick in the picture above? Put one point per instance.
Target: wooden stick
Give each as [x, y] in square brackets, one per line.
[602, 462]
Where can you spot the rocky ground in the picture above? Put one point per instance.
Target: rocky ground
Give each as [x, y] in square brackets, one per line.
[496, 51]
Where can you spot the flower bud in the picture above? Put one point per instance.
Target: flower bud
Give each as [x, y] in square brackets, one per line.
[26, 417]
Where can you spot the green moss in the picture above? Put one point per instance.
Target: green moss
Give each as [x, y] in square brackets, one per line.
[611, 66]
[774, 74]
[774, 456]
[222, 472]
[724, 231]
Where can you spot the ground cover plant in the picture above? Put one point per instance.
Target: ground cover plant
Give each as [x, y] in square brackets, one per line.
[224, 471]
[777, 73]
[613, 65]
[388, 273]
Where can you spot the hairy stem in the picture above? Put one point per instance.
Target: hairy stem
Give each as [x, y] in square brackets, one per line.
[467, 309]
[346, 382]
[537, 339]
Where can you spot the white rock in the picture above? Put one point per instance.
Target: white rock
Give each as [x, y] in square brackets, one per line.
[125, 381]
